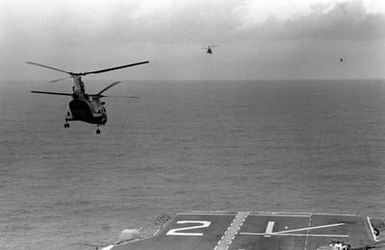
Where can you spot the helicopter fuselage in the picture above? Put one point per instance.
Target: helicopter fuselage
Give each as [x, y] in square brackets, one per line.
[86, 109]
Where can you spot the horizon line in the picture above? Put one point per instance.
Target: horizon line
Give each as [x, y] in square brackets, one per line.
[216, 80]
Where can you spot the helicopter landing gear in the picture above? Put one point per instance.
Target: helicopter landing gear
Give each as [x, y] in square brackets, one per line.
[98, 130]
[66, 119]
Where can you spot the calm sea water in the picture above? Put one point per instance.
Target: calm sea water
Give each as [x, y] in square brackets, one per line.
[216, 145]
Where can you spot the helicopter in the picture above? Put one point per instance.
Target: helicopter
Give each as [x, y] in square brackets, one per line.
[85, 107]
[209, 49]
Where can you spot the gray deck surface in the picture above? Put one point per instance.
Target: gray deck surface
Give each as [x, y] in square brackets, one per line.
[248, 231]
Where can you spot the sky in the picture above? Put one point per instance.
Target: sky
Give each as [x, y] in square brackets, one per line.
[275, 39]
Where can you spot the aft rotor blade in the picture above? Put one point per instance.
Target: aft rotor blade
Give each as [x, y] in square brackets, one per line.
[114, 68]
[48, 67]
[109, 86]
[57, 80]
[51, 93]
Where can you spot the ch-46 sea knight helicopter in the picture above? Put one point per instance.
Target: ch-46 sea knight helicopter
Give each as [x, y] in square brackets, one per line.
[209, 49]
[84, 107]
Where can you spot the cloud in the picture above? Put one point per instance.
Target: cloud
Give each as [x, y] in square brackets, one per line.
[169, 21]
[348, 21]
[213, 21]
[257, 38]
[341, 20]
[175, 22]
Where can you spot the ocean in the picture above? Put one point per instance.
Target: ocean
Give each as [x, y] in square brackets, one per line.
[308, 145]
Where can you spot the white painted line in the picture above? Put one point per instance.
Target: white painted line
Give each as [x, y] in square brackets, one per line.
[269, 228]
[309, 228]
[269, 231]
[371, 229]
[263, 213]
[350, 215]
[231, 231]
[297, 235]
[205, 213]
[281, 215]
[108, 247]
[307, 233]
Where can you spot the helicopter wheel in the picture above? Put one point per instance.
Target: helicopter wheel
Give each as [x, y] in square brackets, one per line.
[97, 131]
[66, 125]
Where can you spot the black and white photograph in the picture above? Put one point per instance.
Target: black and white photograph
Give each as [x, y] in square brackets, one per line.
[192, 124]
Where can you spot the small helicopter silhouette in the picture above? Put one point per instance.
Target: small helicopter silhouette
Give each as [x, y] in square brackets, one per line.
[85, 107]
[209, 49]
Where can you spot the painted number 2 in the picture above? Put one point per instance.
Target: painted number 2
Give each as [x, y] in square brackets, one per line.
[183, 230]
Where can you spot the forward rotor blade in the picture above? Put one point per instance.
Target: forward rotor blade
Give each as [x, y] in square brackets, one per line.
[51, 93]
[381, 242]
[114, 68]
[48, 67]
[117, 96]
[109, 86]
[57, 80]
[374, 245]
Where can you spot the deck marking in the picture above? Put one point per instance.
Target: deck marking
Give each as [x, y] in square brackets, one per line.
[108, 247]
[307, 233]
[269, 228]
[371, 229]
[206, 213]
[309, 228]
[333, 214]
[175, 231]
[264, 214]
[283, 215]
[232, 230]
[291, 231]
[297, 235]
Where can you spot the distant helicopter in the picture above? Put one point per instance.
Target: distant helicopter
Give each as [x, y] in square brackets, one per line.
[209, 49]
[84, 107]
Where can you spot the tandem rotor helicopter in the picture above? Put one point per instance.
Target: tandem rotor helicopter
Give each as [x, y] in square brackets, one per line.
[209, 49]
[85, 107]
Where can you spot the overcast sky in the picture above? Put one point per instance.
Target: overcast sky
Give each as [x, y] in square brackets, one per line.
[267, 39]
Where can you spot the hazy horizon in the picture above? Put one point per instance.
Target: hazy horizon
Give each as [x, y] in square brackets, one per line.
[257, 40]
